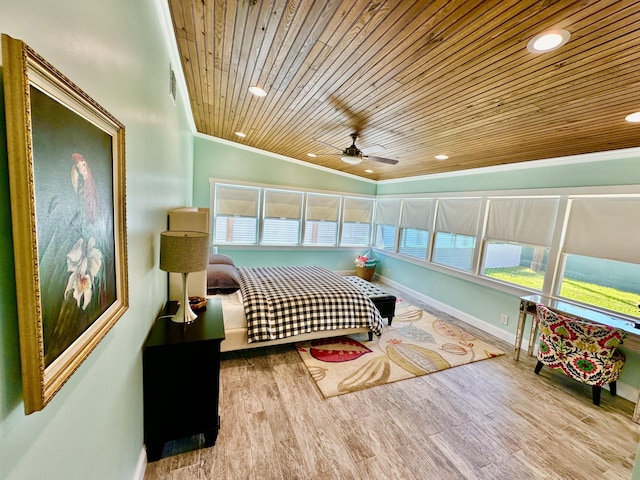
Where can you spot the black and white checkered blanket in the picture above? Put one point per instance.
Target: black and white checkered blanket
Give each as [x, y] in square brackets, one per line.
[280, 302]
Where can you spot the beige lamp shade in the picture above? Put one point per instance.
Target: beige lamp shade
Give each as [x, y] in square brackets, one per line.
[184, 252]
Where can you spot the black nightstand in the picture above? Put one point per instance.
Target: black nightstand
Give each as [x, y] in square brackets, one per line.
[181, 375]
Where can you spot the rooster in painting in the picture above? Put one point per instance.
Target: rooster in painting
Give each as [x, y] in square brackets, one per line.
[85, 187]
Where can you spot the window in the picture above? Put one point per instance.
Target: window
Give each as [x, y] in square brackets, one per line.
[600, 257]
[387, 213]
[519, 233]
[356, 221]
[322, 219]
[520, 264]
[415, 224]
[235, 214]
[586, 237]
[455, 232]
[259, 215]
[282, 217]
[602, 283]
[414, 242]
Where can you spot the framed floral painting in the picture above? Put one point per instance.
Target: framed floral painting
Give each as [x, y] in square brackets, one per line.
[67, 181]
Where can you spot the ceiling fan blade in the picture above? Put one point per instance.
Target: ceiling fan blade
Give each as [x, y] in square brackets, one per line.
[372, 149]
[357, 120]
[328, 145]
[380, 159]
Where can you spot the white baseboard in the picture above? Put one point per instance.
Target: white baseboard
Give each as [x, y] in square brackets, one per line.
[142, 465]
[465, 317]
[625, 390]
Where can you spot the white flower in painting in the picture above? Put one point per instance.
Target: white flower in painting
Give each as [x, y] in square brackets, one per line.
[84, 261]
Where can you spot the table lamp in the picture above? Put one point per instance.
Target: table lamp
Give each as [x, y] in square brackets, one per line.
[184, 252]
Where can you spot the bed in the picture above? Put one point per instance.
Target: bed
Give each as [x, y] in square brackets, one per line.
[277, 305]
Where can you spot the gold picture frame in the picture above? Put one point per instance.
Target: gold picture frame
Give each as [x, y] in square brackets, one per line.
[67, 186]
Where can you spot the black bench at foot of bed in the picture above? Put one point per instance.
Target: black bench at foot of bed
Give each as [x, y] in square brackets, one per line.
[384, 301]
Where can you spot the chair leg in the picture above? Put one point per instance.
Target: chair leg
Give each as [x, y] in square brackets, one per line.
[612, 388]
[596, 394]
[538, 367]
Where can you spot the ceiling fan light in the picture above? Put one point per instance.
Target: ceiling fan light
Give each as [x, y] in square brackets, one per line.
[351, 160]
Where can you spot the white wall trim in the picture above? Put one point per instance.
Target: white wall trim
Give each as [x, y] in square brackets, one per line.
[543, 163]
[275, 186]
[141, 466]
[625, 390]
[510, 167]
[166, 25]
[459, 314]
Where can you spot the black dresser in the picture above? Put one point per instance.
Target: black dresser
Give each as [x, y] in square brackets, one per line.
[181, 374]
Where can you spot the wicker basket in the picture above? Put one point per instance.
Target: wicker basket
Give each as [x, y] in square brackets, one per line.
[365, 273]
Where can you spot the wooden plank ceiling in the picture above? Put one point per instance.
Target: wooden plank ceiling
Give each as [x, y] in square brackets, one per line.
[419, 78]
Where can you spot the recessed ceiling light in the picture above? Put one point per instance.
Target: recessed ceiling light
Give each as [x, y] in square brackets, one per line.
[257, 91]
[547, 41]
[633, 117]
[368, 170]
[312, 155]
[241, 135]
[442, 157]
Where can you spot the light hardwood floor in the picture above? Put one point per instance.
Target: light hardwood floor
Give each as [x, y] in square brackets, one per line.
[493, 419]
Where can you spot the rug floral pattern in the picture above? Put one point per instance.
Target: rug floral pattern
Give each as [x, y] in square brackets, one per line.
[417, 343]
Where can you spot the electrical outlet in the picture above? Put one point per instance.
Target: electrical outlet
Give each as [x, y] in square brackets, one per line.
[504, 318]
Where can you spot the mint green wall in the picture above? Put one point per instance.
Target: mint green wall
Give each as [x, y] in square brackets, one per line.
[619, 171]
[476, 300]
[339, 259]
[222, 160]
[116, 52]
[219, 159]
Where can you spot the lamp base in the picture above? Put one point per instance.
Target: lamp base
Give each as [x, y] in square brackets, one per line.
[184, 314]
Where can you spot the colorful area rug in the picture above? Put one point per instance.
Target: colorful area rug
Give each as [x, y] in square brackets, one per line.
[417, 343]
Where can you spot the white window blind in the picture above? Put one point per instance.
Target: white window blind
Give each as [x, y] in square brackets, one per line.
[236, 214]
[322, 215]
[417, 213]
[358, 210]
[282, 204]
[282, 214]
[323, 207]
[458, 215]
[604, 228]
[236, 201]
[387, 211]
[522, 220]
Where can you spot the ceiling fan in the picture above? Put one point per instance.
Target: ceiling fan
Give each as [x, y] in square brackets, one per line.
[353, 155]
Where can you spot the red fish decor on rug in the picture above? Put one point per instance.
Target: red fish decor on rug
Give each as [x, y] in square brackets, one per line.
[338, 349]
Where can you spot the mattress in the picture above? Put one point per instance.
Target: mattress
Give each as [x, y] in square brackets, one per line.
[236, 329]
[288, 301]
[233, 310]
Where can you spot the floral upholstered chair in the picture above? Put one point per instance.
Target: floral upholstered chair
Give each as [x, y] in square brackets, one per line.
[584, 351]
